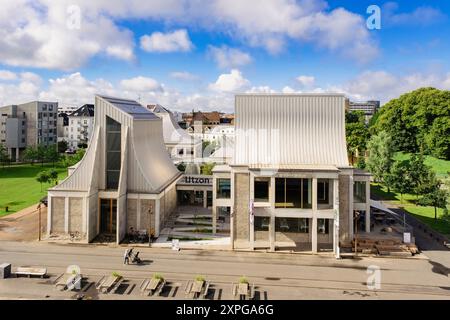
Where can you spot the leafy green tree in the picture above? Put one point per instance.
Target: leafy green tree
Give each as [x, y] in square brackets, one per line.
[181, 166]
[418, 120]
[53, 176]
[419, 173]
[206, 168]
[436, 197]
[380, 159]
[357, 133]
[42, 177]
[51, 154]
[4, 156]
[30, 154]
[41, 152]
[62, 146]
[400, 178]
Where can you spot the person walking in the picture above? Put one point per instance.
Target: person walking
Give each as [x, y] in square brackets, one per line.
[126, 257]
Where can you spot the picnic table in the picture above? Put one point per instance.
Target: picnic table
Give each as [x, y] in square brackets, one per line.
[67, 281]
[197, 289]
[243, 290]
[153, 286]
[31, 271]
[111, 283]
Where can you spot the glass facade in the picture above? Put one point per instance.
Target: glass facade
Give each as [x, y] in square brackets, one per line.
[223, 188]
[293, 193]
[359, 192]
[261, 189]
[113, 153]
[296, 225]
[323, 226]
[261, 223]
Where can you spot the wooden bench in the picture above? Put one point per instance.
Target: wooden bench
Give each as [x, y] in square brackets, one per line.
[109, 284]
[153, 286]
[31, 271]
[67, 281]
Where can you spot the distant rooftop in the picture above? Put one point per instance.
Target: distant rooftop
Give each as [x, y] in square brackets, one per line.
[86, 110]
[133, 108]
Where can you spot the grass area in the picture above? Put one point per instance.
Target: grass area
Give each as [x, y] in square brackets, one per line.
[425, 214]
[440, 166]
[19, 188]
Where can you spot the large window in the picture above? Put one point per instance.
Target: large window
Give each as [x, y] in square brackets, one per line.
[296, 225]
[113, 152]
[359, 192]
[323, 226]
[261, 189]
[293, 193]
[323, 191]
[262, 223]
[223, 188]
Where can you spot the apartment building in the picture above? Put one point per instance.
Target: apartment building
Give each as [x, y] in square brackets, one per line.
[28, 124]
[80, 126]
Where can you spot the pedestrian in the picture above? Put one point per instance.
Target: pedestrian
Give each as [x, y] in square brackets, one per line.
[126, 256]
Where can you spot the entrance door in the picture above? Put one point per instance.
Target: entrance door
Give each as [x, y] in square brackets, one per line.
[108, 214]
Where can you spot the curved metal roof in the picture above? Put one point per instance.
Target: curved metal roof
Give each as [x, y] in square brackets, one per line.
[288, 129]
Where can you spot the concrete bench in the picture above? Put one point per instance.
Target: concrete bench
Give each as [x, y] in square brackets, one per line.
[5, 270]
[31, 271]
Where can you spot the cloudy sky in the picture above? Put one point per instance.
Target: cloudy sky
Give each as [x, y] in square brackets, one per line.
[196, 54]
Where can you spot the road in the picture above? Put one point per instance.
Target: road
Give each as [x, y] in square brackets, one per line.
[276, 275]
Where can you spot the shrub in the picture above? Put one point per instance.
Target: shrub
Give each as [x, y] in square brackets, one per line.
[199, 278]
[116, 274]
[243, 279]
[157, 276]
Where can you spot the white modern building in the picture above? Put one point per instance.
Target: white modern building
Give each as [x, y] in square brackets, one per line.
[125, 180]
[180, 145]
[289, 184]
[80, 126]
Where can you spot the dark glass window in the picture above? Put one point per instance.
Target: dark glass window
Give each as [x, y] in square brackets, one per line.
[323, 191]
[262, 223]
[261, 189]
[323, 226]
[113, 153]
[223, 188]
[359, 191]
[296, 225]
[293, 193]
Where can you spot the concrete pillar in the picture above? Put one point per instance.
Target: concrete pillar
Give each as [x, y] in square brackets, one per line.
[350, 206]
[272, 232]
[17, 155]
[157, 213]
[214, 219]
[205, 199]
[367, 206]
[66, 214]
[314, 195]
[49, 215]
[336, 249]
[314, 234]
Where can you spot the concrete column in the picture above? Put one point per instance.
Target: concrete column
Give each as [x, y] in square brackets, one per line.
[17, 155]
[314, 234]
[350, 206]
[157, 213]
[49, 215]
[66, 214]
[336, 249]
[214, 219]
[205, 199]
[251, 220]
[272, 232]
[367, 206]
[314, 195]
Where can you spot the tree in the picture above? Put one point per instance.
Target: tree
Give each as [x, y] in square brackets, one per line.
[419, 173]
[62, 146]
[418, 120]
[53, 176]
[357, 133]
[400, 178]
[206, 168]
[381, 152]
[436, 198]
[42, 177]
[41, 152]
[4, 156]
[181, 166]
[30, 154]
[51, 154]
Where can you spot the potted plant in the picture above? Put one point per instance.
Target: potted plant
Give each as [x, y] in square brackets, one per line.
[243, 279]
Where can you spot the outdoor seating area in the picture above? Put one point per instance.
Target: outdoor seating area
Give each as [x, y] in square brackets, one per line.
[384, 246]
[109, 284]
[31, 271]
[153, 286]
[68, 281]
[197, 289]
[243, 290]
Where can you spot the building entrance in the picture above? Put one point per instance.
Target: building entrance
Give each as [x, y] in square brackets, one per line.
[108, 214]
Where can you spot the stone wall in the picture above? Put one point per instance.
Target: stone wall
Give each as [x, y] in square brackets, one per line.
[57, 214]
[76, 215]
[241, 199]
[147, 218]
[132, 214]
[344, 182]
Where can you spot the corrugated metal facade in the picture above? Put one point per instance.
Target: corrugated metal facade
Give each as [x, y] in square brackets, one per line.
[290, 129]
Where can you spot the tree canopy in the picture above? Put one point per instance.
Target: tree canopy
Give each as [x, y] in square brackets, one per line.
[418, 121]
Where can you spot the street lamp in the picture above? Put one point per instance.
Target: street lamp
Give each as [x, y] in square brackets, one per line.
[356, 217]
[150, 211]
[39, 208]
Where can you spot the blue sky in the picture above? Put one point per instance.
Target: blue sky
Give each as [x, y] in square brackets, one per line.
[197, 54]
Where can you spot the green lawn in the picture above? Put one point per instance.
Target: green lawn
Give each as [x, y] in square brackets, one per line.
[19, 188]
[440, 166]
[425, 214]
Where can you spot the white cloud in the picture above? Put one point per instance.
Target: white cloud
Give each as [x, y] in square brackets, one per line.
[423, 15]
[183, 75]
[177, 40]
[306, 81]
[141, 84]
[230, 82]
[7, 75]
[227, 57]
[261, 89]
